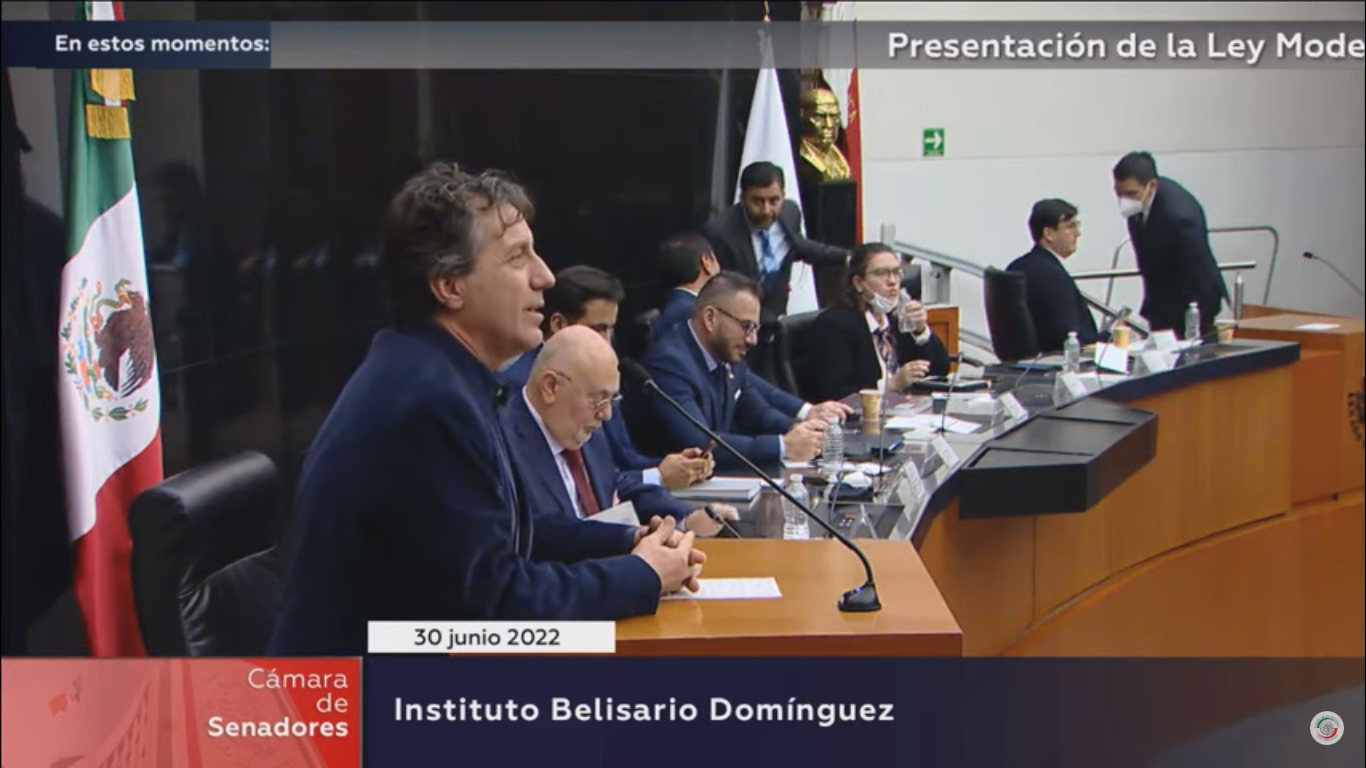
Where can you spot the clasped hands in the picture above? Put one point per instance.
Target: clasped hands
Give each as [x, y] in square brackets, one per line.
[669, 553]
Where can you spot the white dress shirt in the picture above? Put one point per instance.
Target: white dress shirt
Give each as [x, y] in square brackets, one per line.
[777, 238]
[879, 325]
[557, 450]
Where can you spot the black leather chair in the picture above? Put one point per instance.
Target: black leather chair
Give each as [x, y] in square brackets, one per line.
[642, 333]
[913, 279]
[1013, 336]
[795, 353]
[206, 576]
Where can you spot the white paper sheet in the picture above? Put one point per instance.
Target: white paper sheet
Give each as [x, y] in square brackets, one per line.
[1318, 327]
[730, 589]
[622, 514]
[928, 422]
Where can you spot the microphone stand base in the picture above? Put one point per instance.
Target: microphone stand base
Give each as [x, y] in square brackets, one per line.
[861, 600]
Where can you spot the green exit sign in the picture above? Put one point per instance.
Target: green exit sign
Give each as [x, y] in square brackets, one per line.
[934, 142]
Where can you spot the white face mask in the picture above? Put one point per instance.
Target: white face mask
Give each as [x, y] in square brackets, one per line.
[1129, 207]
[882, 305]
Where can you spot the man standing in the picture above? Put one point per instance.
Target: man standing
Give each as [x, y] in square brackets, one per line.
[1171, 245]
[760, 238]
[408, 508]
[1055, 303]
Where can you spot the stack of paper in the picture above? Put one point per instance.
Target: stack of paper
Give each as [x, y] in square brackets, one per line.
[929, 423]
[723, 489]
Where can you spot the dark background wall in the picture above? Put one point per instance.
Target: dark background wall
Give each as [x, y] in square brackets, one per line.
[262, 193]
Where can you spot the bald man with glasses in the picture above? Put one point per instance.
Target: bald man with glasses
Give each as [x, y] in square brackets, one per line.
[700, 364]
[555, 430]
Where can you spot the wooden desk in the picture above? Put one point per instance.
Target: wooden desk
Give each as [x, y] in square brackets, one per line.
[1206, 552]
[944, 324]
[1326, 452]
[806, 621]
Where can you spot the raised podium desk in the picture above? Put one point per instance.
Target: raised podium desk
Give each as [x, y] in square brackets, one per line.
[1212, 510]
[805, 621]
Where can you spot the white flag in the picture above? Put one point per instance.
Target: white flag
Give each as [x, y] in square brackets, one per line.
[767, 139]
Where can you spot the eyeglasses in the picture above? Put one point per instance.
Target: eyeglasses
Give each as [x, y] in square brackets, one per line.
[884, 274]
[598, 406]
[749, 327]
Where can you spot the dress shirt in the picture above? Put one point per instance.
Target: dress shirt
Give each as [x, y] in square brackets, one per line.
[777, 239]
[557, 450]
[879, 325]
[712, 363]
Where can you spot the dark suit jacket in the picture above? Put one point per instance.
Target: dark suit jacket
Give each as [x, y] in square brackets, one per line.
[744, 415]
[624, 453]
[546, 494]
[1173, 253]
[677, 309]
[1055, 302]
[847, 358]
[732, 241]
[408, 509]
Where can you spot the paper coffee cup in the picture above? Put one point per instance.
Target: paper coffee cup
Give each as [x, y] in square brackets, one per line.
[872, 404]
[1120, 336]
[1226, 330]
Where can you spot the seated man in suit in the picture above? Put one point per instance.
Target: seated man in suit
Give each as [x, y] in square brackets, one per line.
[699, 364]
[1170, 237]
[408, 508]
[1055, 303]
[554, 427]
[760, 237]
[687, 263]
[588, 297]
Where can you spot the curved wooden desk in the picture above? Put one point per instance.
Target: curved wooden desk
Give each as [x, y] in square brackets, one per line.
[1242, 537]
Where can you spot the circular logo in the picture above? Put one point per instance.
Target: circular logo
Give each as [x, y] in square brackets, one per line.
[1326, 728]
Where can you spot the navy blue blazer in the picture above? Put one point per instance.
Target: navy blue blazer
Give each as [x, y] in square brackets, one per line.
[1174, 257]
[546, 494]
[624, 453]
[408, 509]
[747, 412]
[677, 309]
[1055, 302]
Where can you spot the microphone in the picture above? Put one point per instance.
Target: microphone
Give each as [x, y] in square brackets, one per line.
[948, 398]
[1120, 316]
[715, 516]
[1311, 257]
[861, 600]
[1025, 370]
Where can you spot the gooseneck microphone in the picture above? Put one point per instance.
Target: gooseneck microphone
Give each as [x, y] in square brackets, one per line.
[1311, 257]
[948, 397]
[861, 600]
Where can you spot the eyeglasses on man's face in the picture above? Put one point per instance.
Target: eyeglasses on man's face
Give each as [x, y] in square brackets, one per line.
[748, 327]
[599, 403]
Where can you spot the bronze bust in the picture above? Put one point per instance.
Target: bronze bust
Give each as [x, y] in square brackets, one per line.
[820, 129]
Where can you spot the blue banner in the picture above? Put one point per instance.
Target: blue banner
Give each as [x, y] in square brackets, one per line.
[612, 712]
[137, 45]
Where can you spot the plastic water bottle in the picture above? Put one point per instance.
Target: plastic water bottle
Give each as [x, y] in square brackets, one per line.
[796, 526]
[903, 317]
[832, 453]
[1193, 322]
[1071, 354]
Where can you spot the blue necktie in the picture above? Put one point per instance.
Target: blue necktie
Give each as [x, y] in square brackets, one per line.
[768, 260]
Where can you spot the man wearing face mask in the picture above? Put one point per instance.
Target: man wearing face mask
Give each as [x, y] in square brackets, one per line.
[1171, 245]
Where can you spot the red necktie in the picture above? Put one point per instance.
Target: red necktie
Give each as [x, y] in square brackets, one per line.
[579, 472]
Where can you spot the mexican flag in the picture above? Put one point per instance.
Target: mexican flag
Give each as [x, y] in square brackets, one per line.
[108, 392]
